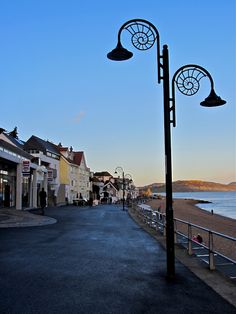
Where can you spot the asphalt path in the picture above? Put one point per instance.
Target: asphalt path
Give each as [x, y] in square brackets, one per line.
[95, 260]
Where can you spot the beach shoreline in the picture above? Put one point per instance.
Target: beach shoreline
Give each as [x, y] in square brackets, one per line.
[187, 210]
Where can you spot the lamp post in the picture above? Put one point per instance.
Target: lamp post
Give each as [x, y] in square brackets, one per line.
[124, 178]
[143, 36]
[128, 179]
[120, 169]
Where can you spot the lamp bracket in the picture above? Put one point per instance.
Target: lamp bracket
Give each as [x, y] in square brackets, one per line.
[187, 79]
[143, 36]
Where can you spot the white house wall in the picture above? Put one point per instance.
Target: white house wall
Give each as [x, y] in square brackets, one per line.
[84, 180]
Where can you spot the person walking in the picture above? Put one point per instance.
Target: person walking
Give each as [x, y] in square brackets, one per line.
[42, 197]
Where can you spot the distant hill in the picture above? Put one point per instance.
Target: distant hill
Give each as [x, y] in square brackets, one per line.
[191, 186]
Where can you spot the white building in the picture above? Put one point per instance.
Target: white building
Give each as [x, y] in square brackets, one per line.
[84, 182]
[19, 174]
[46, 154]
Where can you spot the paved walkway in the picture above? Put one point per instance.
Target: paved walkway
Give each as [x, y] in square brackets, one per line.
[10, 217]
[95, 260]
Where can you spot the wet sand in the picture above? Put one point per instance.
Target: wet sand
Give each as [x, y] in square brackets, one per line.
[187, 210]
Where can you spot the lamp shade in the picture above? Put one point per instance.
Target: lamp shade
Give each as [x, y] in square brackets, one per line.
[119, 53]
[213, 100]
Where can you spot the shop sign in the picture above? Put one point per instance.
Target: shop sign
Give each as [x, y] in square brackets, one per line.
[26, 168]
[50, 175]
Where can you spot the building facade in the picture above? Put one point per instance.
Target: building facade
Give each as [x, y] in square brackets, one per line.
[84, 176]
[19, 174]
[27, 167]
[46, 154]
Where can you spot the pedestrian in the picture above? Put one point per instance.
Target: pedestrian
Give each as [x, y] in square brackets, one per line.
[199, 238]
[90, 202]
[42, 197]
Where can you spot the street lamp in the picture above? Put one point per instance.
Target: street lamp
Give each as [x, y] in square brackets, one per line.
[128, 180]
[124, 178]
[187, 79]
[117, 170]
[128, 177]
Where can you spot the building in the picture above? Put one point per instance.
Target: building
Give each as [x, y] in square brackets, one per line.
[75, 175]
[20, 176]
[27, 167]
[68, 176]
[84, 176]
[113, 188]
[46, 154]
[103, 176]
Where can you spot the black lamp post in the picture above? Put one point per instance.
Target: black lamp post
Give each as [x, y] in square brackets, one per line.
[120, 169]
[124, 178]
[143, 36]
[128, 180]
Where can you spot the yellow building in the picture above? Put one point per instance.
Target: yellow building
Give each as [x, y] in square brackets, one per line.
[68, 176]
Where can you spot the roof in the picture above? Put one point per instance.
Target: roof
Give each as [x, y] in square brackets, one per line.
[70, 161]
[102, 174]
[78, 156]
[37, 143]
[15, 141]
[12, 139]
[63, 149]
[112, 184]
[15, 149]
[95, 179]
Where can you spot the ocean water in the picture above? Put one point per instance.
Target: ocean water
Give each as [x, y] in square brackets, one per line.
[222, 203]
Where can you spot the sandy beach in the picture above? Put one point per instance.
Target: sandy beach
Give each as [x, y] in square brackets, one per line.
[187, 210]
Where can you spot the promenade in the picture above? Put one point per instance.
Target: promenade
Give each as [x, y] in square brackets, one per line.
[94, 260]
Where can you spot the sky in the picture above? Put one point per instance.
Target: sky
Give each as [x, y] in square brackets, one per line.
[57, 83]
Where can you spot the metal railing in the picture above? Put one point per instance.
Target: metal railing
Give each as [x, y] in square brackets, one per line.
[184, 232]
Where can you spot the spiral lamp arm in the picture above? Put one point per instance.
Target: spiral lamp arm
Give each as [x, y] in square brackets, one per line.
[119, 169]
[128, 176]
[187, 79]
[143, 36]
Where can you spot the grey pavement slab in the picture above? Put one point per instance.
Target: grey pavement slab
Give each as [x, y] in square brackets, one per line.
[95, 260]
[11, 218]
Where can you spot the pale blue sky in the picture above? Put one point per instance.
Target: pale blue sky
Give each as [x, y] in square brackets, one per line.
[56, 83]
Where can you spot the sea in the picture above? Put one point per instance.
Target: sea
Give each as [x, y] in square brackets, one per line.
[222, 203]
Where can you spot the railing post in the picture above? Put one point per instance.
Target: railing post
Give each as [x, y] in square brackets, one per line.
[153, 220]
[164, 226]
[190, 249]
[175, 231]
[157, 221]
[211, 253]
[149, 218]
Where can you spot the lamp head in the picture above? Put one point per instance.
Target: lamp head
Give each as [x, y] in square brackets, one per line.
[119, 53]
[213, 100]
